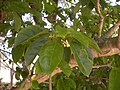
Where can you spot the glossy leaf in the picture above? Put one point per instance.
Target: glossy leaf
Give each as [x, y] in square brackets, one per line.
[81, 56]
[28, 33]
[17, 52]
[34, 48]
[114, 82]
[50, 55]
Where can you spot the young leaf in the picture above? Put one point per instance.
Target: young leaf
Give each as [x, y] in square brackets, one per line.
[28, 33]
[81, 56]
[50, 55]
[34, 48]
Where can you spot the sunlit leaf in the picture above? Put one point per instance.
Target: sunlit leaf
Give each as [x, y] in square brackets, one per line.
[61, 31]
[80, 37]
[35, 84]
[50, 55]
[81, 56]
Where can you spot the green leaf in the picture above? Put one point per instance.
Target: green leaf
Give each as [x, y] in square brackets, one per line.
[17, 52]
[38, 69]
[35, 84]
[50, 55]
[67, 54]
[60, 84]
[70, 83]
[93, 44]
[65, 68]
[28, 33]
[49, 7]
[114, 82]
[76, 8]
[17, 21]
[61, 31]
[34, 48]
[80, 37]
[81, 56]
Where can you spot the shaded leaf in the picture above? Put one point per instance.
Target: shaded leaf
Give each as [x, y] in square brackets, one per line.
[17, 52]
[60, 84]
[17, 21]
[67, 54]
[28, 33]
[114, 82]
[65, 68]
[70, 83]
[34, 48]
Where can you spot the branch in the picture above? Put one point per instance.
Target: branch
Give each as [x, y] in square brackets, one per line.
[119, 37]
[101, 19]
[108, 47]
[112, 29]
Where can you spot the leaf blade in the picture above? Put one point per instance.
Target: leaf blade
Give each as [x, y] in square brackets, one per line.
[50, 55]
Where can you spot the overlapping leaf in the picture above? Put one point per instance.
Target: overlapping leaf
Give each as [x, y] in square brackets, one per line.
[50, 55]
[81, 56]
[34, 48]
[28, 33]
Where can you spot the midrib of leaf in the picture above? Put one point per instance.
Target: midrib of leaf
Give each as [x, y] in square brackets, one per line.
[43, 32]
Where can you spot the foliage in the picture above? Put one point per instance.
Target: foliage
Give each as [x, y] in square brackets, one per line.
[55, 32]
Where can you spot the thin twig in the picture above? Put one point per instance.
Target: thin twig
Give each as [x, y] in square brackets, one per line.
[112, 29]
[6, 65]
[50, 82]
[101, 19]
[5, 51]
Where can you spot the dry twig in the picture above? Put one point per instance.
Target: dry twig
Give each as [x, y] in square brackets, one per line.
[101, 19]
